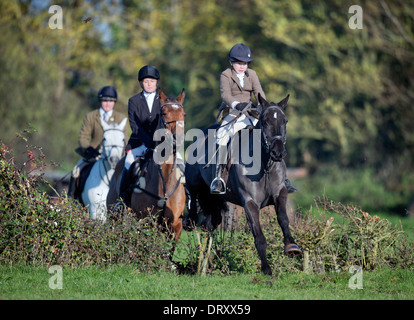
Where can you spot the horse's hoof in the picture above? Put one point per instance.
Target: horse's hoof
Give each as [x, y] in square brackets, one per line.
[292, 250]
[267, 271]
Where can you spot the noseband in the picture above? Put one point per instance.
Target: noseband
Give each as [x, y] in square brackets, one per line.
[169, 103]
[268, 142]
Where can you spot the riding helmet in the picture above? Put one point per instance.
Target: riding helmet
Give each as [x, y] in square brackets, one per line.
[107, 93]
[148, 71]
[240, 52]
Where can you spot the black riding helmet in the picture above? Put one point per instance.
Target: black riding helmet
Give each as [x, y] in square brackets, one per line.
[107, 93]
[240, 52]
[148, 71]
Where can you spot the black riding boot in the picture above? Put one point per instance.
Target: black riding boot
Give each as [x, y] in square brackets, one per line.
[290, 188]
[72, 187]
[123, 185]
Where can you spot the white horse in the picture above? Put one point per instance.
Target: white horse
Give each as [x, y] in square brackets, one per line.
[97, 184]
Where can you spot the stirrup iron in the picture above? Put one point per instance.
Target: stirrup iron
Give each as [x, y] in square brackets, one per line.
[218, 180]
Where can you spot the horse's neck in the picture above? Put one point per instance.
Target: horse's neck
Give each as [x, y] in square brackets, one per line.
[168, 170]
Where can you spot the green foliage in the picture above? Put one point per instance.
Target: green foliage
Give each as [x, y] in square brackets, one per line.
[333, 239]
[350, 89]
[34, 230]
[371, 190]
[340, 236]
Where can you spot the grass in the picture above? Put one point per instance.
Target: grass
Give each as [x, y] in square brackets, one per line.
[125, 283]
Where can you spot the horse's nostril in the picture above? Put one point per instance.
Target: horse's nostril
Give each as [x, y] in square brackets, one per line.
[113, 159]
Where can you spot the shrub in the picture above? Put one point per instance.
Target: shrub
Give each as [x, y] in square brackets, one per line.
[345, 235]
[36, 231]
[333, 238]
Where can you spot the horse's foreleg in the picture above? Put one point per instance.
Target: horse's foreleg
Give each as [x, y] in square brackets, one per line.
[252, 213]
[177, 227]
[291, 248]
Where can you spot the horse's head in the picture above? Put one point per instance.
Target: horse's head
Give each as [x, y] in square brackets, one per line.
[113, 142]
[273, 124]
[172, 115]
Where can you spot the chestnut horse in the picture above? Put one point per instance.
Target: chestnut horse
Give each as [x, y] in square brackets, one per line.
[157, 187]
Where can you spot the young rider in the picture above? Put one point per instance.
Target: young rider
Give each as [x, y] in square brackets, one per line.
[237, 84]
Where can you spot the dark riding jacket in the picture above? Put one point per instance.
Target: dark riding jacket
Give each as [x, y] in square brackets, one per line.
[143, 122]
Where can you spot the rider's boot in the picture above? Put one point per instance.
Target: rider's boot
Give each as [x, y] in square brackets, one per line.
[218, 186]
[72, 187]
[123, 185]
[290, 188]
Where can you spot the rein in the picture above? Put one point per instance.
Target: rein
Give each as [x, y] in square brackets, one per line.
[241, 112]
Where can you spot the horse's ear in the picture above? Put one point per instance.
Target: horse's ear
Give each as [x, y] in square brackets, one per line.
[262, 102]
[181, 97]
[163, 97]
[283, 103]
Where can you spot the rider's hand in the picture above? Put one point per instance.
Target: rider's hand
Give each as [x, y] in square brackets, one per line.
[91, 152]
[241, 106]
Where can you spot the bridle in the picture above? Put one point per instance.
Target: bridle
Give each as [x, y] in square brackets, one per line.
[267, 142]
[105, 155]
[165, 123]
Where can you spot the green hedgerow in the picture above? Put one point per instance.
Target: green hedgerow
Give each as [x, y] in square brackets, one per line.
[35, 230]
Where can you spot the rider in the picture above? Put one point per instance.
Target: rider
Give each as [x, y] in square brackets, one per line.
[91, 133]
[144, 111]
[237, 84]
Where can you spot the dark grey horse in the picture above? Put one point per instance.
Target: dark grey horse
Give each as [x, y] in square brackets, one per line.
[264, 187]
